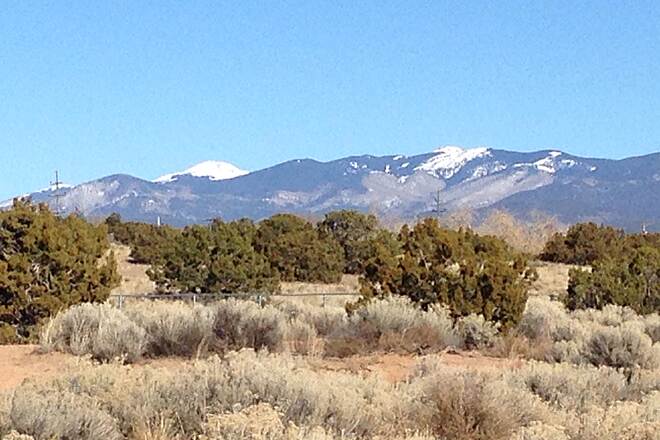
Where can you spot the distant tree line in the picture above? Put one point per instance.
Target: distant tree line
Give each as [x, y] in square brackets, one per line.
[624, 268]
[48, 263]
[430, 264]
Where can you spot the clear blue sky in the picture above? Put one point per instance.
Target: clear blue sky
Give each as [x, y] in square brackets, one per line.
[147, 88]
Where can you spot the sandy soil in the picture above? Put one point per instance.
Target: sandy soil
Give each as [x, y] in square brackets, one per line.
[553, 279]
[398, 367]
[134, 279]
[21, 362]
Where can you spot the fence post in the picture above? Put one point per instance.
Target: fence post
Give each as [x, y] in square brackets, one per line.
[120, 302]
[323, 301]
[194, 299]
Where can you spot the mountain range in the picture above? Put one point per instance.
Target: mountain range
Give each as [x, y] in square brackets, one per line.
[624, 193]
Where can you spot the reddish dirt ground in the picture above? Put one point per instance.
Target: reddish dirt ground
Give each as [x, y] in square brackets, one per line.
[21, 362]
[397, 367]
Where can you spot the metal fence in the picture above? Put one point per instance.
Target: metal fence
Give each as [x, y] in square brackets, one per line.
[259, 298]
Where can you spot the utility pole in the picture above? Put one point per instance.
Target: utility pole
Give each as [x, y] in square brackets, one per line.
[646, 224]
[56, 195]
[439, 210]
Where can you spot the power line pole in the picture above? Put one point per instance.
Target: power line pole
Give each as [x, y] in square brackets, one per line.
[644, 226]
[439, 210]
[56, 195]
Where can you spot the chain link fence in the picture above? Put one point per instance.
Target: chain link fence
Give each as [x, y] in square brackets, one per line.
[119, 299]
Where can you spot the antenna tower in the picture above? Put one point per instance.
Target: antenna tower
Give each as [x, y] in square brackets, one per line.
[439, 210]
[645, 225]
[56, 195]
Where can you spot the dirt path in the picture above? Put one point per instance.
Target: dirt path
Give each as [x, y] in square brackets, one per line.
[21, 362]
[398, 367]
[134, 277]
[552, 280]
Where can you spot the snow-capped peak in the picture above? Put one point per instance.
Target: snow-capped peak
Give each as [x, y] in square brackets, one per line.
[450, 159]
[213, 169]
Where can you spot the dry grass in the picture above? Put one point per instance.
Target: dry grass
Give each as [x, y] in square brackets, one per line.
[173, 329]
[349, 285]
[348, 288]
[615, 336]
[50, 413]
[276, 396]
[163, 329]
[99, 330]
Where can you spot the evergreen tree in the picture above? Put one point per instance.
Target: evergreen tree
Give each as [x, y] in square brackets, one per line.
[467, 272]
[631, 280]
[46, 264]
[215, 259]
[148, 243]
[297, 251]
[583, 244]
[354, 232]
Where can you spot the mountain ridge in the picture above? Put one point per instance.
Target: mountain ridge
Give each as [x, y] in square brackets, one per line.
[623, 192]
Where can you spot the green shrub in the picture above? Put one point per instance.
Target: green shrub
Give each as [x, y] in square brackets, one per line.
[583, 244]
[216, 259]
[586, 243]
[625, 269]
[467, 272]
[297, 251]
[149, 243]
[48, 263]
[632, 280]
[354, 232]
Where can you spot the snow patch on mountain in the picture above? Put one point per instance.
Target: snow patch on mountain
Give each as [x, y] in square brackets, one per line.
[212, 169]
[52, 188]
[549, 164]
[55, 187]
[6, 204]
[546, 164]
[450, 160]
